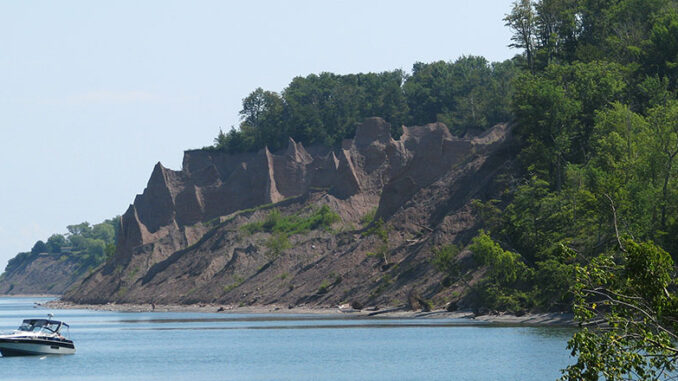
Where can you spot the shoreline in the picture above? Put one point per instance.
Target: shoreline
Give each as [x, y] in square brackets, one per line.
[552, 319]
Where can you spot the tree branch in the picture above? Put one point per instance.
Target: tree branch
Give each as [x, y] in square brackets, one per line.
[616, 229]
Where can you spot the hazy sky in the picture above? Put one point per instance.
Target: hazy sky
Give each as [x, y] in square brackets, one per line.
[93, 94]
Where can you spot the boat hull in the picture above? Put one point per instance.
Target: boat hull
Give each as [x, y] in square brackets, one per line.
[32, 347]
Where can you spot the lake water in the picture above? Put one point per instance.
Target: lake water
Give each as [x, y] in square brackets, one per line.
[212, 346]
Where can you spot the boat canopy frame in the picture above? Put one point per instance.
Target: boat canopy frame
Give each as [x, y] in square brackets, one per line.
[31, 324]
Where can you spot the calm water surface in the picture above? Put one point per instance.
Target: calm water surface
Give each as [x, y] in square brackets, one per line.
[204, 346]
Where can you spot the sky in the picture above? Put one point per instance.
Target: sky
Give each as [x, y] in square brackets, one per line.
[93, 94]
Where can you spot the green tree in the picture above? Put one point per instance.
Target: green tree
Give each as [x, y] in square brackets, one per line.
[39, 247]
[548, 122]
[556, 112]
[322, 108]
[662, 52]
[469, 93]
[505, 267]
[626, 303]
[381, 230]
[556, 31]
[83, 229]
[553, 280]
[445, 260]
[663, 122]
[105, 232]
[253, 106]
[276, 244]
[522, 22]
[55, 242]
[261, 114]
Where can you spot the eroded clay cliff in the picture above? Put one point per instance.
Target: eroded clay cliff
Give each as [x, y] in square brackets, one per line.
[181, 242]
[43, 273]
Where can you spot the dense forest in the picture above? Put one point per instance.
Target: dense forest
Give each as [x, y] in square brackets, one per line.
[590, 214]
[593, 100]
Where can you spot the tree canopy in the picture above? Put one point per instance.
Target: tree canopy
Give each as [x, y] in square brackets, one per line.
[469, 93]
[597, 189]
[589, 219]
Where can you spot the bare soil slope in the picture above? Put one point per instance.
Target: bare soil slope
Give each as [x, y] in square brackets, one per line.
[44, 273]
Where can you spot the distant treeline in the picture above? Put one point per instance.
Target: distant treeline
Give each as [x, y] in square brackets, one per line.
[470, 93]
[89, 245]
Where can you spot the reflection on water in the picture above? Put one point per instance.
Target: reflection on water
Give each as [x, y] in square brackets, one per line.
[211, 346]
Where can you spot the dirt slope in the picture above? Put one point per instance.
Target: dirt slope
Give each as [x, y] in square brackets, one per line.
[43, 273]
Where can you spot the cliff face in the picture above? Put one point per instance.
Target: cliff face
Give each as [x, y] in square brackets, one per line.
[181, 240]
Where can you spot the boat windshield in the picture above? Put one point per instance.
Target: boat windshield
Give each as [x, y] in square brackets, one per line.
[40, 325]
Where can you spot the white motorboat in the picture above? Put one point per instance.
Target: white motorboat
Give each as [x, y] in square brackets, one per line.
[37, 337]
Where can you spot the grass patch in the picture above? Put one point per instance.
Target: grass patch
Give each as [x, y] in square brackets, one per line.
[214, 222]
[282, 227]
[217, 221]
[368, 218]
[276, 244]
[237, 283]
[131, 274]
[383, 283]
[445, 259]
[381, 230]
[324, 287]
[122, 292]
[275, 222]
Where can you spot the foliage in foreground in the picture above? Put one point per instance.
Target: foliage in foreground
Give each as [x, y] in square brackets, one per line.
[509, 284]
[597, 113]
[627, 304]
